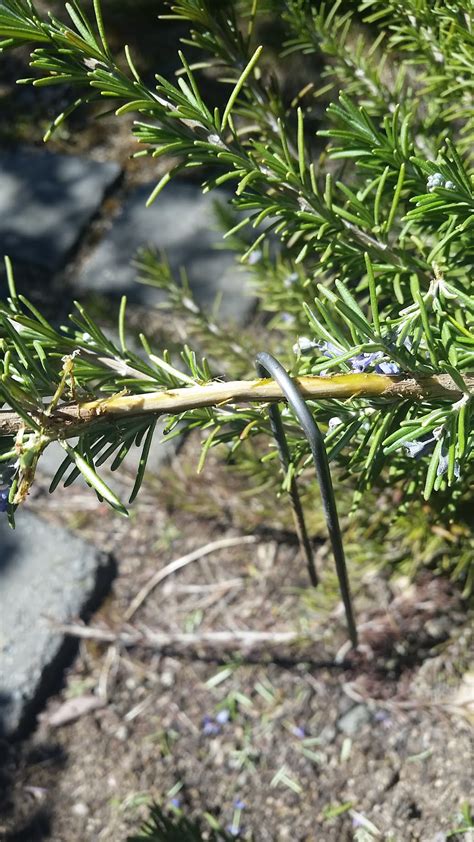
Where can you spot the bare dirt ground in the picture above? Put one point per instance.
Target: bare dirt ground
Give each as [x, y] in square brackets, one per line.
[316, 747]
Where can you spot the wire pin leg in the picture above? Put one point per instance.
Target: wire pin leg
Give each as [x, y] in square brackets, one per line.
[266, 364]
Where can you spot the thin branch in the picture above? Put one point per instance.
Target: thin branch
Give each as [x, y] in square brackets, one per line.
[173, 566]
[69, 420]
[224, 640]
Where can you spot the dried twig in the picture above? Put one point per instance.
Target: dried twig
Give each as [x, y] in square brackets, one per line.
[173, 566]
[241, 638]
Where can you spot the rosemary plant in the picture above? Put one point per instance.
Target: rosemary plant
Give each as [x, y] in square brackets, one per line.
[358, 237]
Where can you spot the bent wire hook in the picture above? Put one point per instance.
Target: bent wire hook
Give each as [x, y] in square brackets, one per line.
[266, 364]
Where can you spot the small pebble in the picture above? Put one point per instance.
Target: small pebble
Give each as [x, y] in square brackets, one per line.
[353, 720]
[80, 809]
[121, 733]
[167, 678]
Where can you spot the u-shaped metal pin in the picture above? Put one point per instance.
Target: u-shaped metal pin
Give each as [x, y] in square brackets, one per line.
[266, 364]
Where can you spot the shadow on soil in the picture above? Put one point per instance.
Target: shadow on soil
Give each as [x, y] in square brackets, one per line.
[27, 799]
[22, 791]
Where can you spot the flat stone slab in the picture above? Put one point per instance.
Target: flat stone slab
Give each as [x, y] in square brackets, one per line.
[47, 575]
[181, 222]
[46, 201]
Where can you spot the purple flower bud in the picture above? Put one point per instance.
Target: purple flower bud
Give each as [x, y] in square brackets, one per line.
[233, 830]
[239, 804]
[176, 802]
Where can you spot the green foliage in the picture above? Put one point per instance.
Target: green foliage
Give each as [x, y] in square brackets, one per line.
[177, 828]
[465, 823]
[358, 238]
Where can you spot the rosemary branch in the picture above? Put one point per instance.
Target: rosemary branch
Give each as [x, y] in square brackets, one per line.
[67, 420]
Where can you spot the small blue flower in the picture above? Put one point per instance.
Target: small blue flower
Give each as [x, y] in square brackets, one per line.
[239, 804]
[361, 362]
[209, 727]
[298, 732]
[384, 717]
[223, 716]
[329, 349]
[176, 803]
[233, 830]
[387, 368]
[357, 821]
[449, 185]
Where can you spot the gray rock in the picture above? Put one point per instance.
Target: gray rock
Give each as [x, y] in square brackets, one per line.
[327, 735]
[46, 200]
[180, 222]
[47, 575]
[353, 720]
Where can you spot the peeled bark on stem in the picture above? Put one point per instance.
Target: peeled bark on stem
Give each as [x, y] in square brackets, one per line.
[70, 420]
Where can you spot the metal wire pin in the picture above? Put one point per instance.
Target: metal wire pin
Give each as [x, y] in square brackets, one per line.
[266, 363]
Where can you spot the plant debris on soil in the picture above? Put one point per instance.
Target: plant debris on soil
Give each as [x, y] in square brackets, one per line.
[316, 743]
